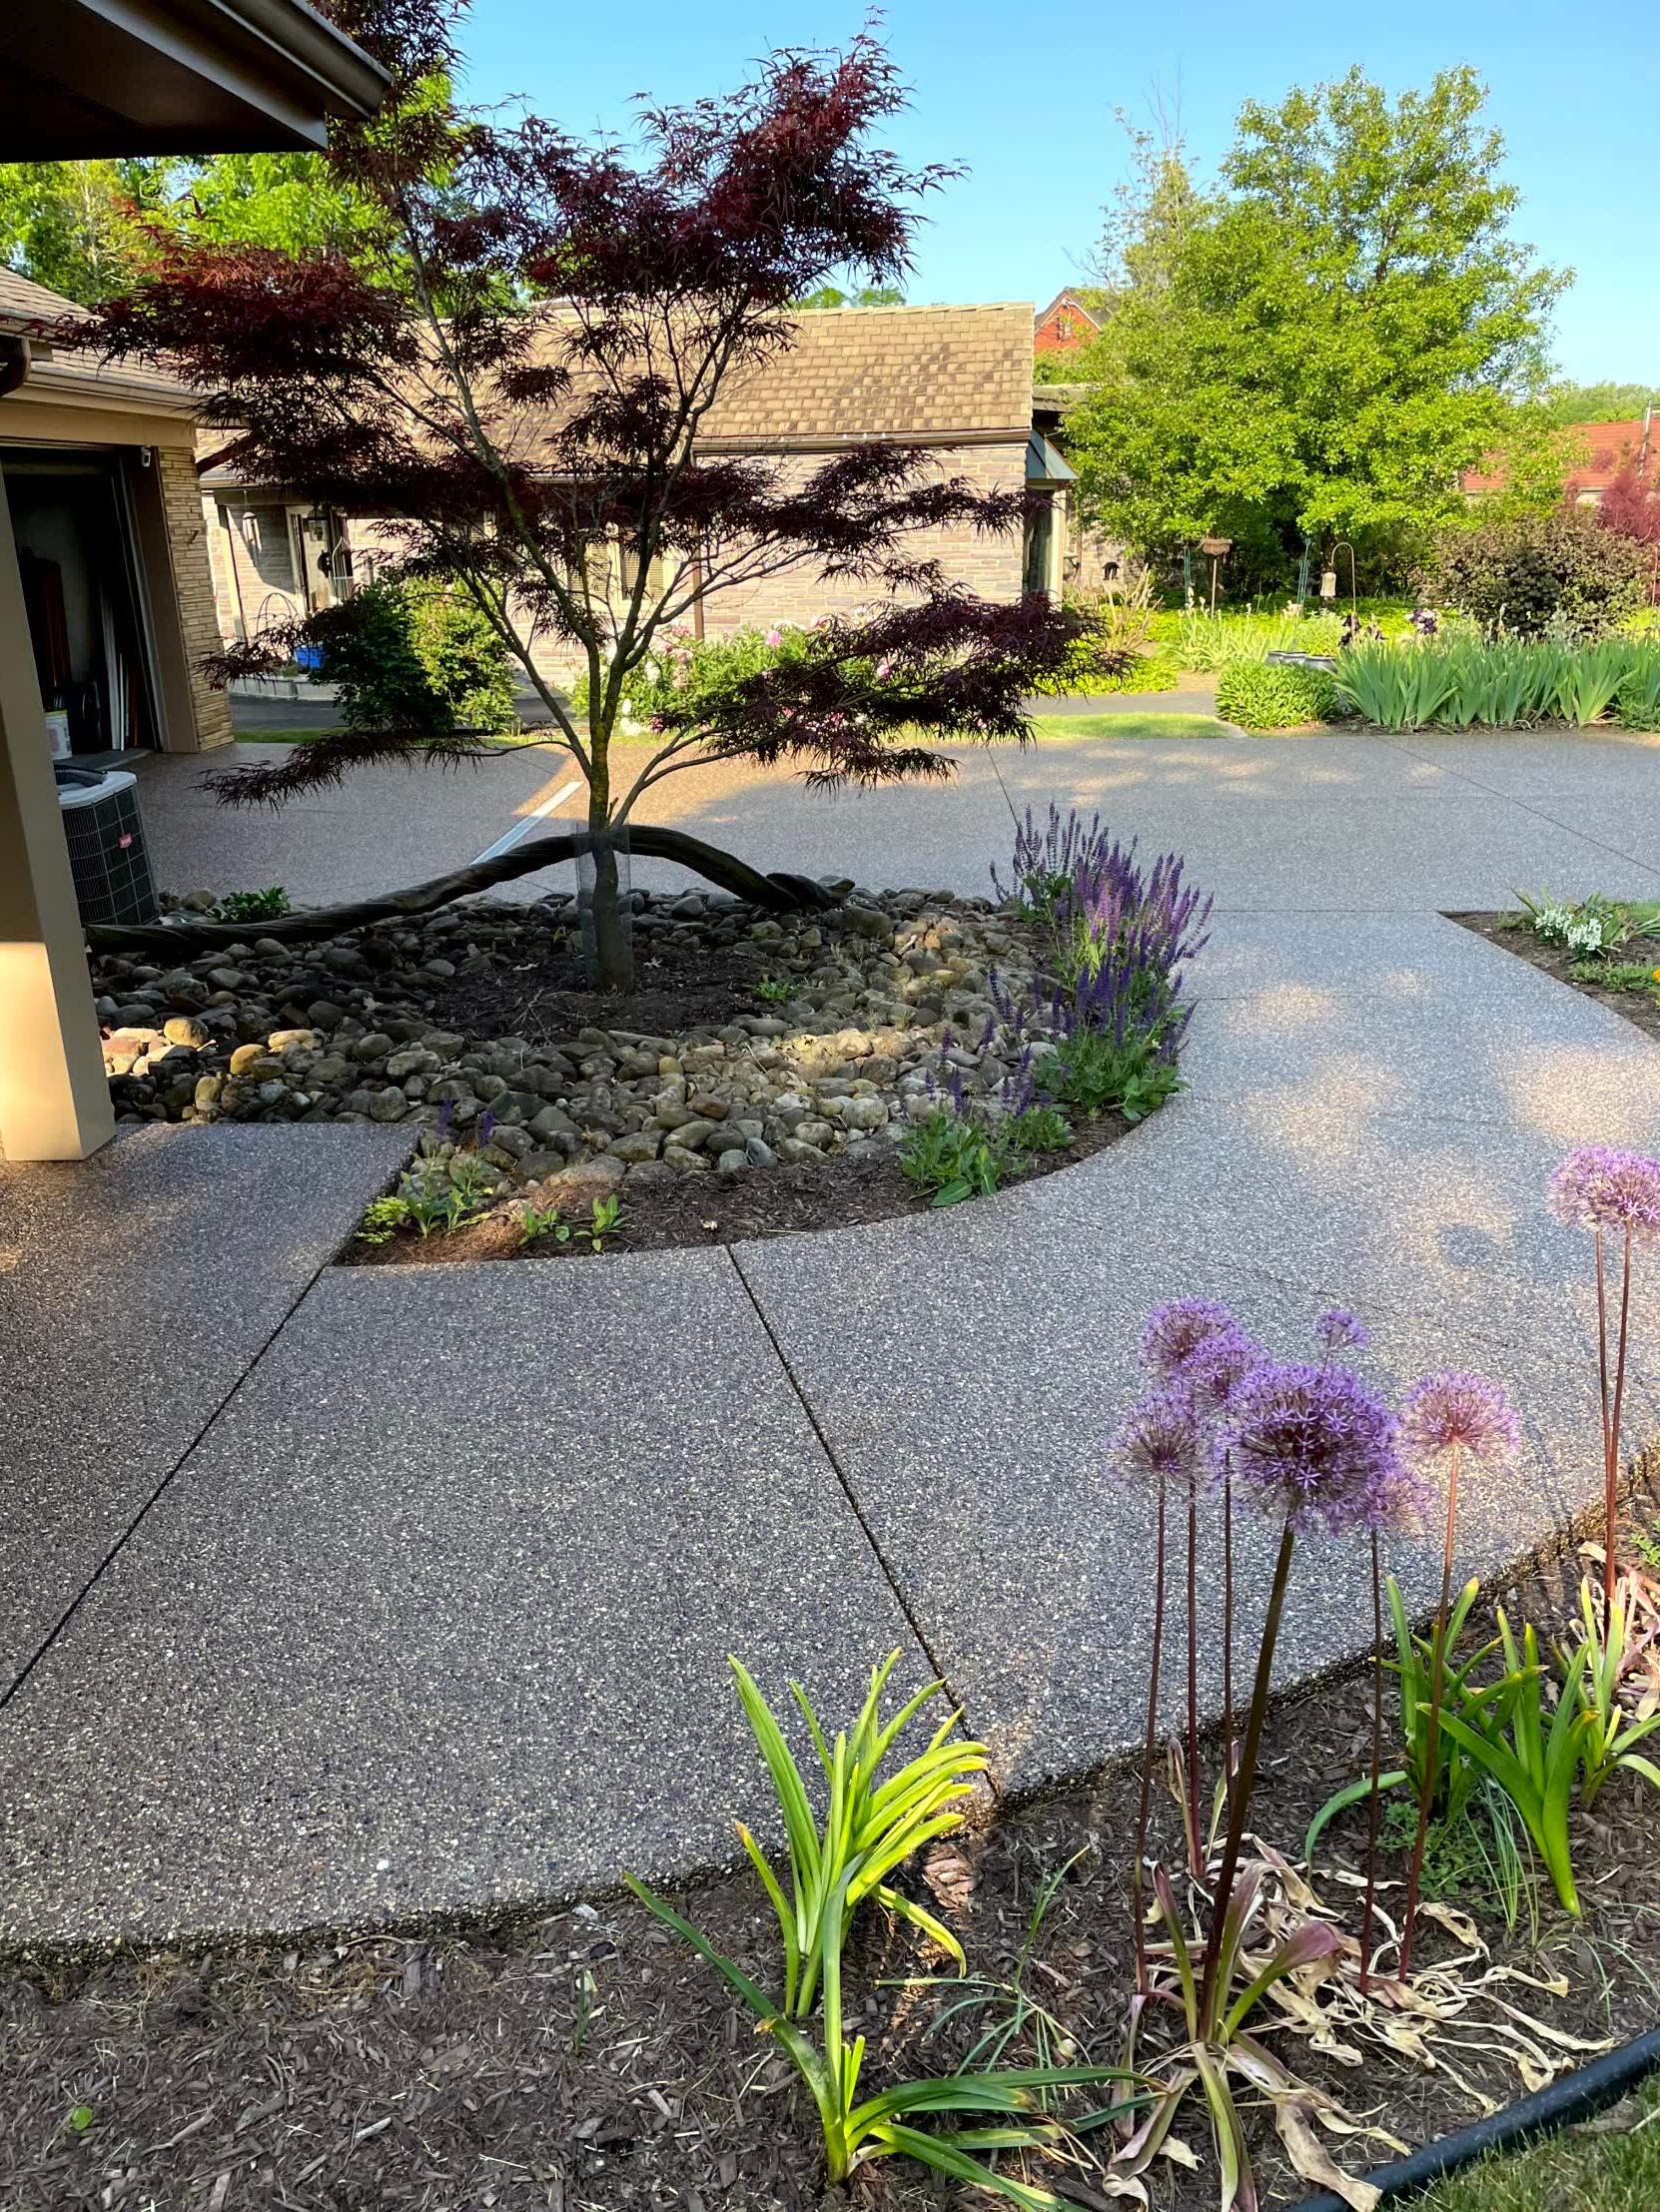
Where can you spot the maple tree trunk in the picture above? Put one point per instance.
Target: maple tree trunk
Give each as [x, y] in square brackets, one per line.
[612, 924]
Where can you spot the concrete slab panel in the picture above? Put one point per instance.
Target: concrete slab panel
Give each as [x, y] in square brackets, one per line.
[135, 1289]
[967, 1375]
[437, 1615]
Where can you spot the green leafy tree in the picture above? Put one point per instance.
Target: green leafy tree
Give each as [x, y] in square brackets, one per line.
[76, 225]
[1320, 347]
[867, 295]
[1568, 402]
[289, 202]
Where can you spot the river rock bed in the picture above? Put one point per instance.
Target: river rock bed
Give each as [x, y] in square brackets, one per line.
[814, 1035]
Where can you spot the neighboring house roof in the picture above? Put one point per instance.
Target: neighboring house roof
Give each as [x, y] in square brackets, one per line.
[1610, 447]
[851, 375]
[1606, 447]
[23, 301]
[76, 374]
[937, 375]
[1074, 306]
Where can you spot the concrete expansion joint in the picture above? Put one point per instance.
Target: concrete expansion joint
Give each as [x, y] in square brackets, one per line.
[855, 1503]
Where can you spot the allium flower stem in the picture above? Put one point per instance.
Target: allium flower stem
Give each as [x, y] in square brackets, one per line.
[1228, 1626]
[1240, 1802]
[1611, 1436]
[1602, 1346]
[1432, 1728]
[1195, 1833]
[1377, 1767]
[1155, 1670]
[1597, 1188]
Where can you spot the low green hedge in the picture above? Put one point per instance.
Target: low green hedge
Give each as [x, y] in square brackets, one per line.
[1264, 695]
[1086, 676]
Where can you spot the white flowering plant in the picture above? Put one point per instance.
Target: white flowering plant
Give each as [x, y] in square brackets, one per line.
[1593, 927]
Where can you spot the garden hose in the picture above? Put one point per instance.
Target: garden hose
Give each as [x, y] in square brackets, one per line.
[1575, 2097]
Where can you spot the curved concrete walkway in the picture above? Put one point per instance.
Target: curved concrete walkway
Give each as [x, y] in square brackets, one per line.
[428, 1612]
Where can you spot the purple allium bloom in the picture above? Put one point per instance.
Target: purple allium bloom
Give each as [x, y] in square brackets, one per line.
[1215, 1370]
[1599, 1187]
[1336, 1331]
[1157, 1439]
[1173, 1334]
[1316, 1445]
[1465, 1411]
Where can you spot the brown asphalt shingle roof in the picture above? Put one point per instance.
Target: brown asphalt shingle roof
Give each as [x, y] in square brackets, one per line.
[24, 305]
[877, 372]
[23, 301]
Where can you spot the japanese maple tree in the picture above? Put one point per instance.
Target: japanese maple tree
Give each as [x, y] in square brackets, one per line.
[1631, 508]
[521, 384]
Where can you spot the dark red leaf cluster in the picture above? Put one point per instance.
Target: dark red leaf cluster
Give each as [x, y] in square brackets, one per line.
[1631, 508]
[863, 700]
[516, 381]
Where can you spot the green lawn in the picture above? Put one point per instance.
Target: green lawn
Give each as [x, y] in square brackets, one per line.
[1127, 725]
[1615, 2169]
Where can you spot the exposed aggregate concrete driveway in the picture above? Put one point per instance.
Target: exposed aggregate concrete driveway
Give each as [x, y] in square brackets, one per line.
[341, 1596]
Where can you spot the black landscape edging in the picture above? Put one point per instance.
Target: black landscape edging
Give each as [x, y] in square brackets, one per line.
[1575, 2097]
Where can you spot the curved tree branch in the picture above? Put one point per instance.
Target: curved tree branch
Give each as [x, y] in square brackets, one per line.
[779, 893]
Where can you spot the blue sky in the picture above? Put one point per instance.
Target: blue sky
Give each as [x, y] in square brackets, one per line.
[1025, 95]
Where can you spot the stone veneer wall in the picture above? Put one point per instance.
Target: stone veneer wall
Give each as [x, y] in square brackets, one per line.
[988, 565]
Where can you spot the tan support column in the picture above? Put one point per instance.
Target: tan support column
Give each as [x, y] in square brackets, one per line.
[54, 1100]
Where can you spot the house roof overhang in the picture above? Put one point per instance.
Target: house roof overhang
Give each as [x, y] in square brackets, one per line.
[1043, 464]
[81, 77]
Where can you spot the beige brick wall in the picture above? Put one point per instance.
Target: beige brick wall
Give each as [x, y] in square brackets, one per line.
[193, 582]
[252, 589]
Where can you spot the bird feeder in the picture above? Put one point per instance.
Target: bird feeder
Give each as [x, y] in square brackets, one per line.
[1219, 549]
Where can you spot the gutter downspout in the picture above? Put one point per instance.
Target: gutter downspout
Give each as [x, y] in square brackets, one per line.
[15, 358]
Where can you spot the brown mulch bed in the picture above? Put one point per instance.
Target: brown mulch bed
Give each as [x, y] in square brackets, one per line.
[723, 1209]
[681, 986]
[1642, 1007]
[587, 2059]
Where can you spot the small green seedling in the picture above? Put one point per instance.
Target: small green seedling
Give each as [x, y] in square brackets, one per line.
[605, 1219]
[776, 991]
[252, 906]
[382, 1219]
